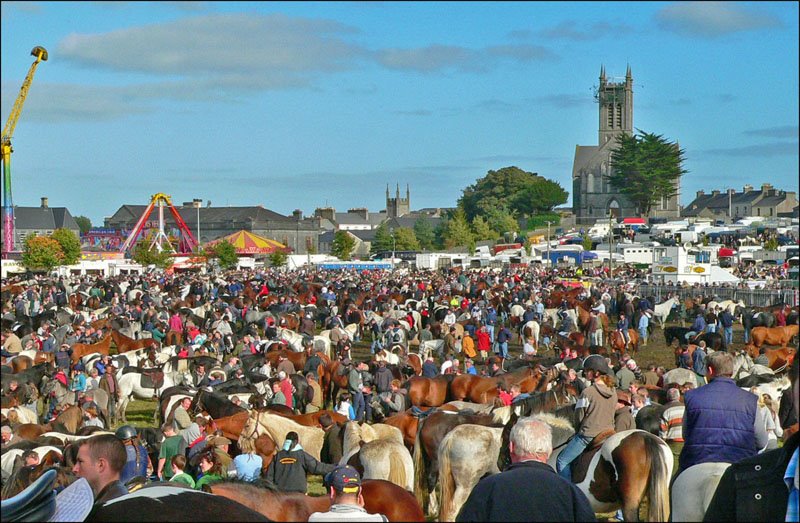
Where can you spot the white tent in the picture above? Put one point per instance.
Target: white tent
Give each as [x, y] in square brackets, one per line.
[720, 275]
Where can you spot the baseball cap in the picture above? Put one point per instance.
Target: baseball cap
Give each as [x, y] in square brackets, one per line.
[344, 479]
[596, 363]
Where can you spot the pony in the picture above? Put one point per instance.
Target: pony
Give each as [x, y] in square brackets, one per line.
[780, 336]
[264, 422]
[662, 311]
[693, 490]
[378, 457]
[81, 349]
[168, 502]
[531, 330]
[19, 414]
[466, 454]
[130, 385]
[429, 392]
[618, 343]
[380, 497]
[124, 343]
[626, 467]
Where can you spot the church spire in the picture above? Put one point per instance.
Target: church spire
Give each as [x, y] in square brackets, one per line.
[408, 193]
[387, 191]
[602, 74]
[628, 74]
[397, 193]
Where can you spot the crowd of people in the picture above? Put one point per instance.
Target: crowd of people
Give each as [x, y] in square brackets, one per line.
[710, 420]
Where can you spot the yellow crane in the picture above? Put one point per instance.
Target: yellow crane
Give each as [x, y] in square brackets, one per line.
[8, 131]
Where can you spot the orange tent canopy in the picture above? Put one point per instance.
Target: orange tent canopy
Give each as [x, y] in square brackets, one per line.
[248, 243]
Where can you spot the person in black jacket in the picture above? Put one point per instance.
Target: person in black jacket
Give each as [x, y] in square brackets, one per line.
[289, 467]
[758, 488]
[539, 493]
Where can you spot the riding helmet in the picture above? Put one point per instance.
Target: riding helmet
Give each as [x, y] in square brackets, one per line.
[125, 432]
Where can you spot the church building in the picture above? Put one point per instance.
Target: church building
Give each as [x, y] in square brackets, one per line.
[593, 196]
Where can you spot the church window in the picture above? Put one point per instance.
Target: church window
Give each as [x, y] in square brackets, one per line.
[619, 116]
[759, 211]
[610, 111]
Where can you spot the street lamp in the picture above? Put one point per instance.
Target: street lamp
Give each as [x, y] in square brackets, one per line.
[391, 232]
[610, 242]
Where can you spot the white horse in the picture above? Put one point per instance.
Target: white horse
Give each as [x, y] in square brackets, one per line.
[662, 310]
[516, 311]
[8, 461]
[276, 427]
[466, 453]
[680, 376]
[23, 414]
[130, 385]
[693, 490]
[383, 457]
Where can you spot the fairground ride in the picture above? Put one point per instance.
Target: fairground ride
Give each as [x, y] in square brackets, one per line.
[159, 240]
[8, 131]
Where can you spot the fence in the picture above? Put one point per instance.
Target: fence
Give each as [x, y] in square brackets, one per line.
[750, 297]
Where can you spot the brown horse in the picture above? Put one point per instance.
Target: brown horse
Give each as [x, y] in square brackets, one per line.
[618, 342]
[312, 419]
[298, 359]
[126, 344]
[289, 320]
[778, 358]
[407, 423]
[20, 363]
[25, 476]
[779, 336]
[68, 420]
[82, 349]
[429, 392]
[338, 380]
[380, 497]
[479, 389]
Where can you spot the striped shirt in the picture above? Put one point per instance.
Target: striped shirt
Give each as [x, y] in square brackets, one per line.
[672, 422]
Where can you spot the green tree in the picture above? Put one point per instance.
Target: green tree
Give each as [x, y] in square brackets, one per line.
[382, 240]
[522, 192]
[501, 220]
[771, 244]
[481, 229]
[645, 168]
[225, 253]
[343, 245]
[144, 256]
[405, 239]
[587, 243]
[41, 253]
[278, 258]
[457, 232]
[424, 232]
[70, 245]
[84, 223]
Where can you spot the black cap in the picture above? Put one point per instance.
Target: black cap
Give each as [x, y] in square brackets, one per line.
[344, 479]
[596, 363]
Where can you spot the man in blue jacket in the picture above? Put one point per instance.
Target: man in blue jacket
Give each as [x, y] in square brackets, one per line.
[539, 493]
[721, 422]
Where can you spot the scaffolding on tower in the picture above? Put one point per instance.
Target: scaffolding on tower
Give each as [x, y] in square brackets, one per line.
[160, 241]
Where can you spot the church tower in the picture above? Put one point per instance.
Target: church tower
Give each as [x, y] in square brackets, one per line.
[397, 206]
[615, 100]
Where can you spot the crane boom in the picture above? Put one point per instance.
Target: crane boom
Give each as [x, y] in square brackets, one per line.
[5, 144]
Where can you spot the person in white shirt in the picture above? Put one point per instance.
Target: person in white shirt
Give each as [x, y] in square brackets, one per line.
[347, 503]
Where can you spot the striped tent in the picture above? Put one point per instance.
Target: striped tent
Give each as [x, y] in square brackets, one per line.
[248, 243]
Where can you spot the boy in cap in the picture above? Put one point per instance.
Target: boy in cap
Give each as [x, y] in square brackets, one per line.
[347, 503]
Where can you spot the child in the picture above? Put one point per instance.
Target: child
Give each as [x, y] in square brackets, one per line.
[178, 463]
[345, 407]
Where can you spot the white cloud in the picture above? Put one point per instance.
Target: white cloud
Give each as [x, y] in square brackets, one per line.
[712, 19]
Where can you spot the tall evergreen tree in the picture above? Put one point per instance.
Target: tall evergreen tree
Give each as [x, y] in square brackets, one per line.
[424, 232]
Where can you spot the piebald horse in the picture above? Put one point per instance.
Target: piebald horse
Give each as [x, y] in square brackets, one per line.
[693, 489]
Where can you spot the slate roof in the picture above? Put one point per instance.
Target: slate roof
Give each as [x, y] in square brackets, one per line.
[127, 213]
[43, 218]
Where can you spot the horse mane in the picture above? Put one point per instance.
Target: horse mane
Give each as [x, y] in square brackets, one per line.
[311, 438]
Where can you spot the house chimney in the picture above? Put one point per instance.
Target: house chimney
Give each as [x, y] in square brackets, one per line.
[298, 214]
[328, 213]
[747, 188]
[44, 202]
[360, 211]
[715, 193]
[197, 203]
[732, 192]
[700, 193]
[767, 189]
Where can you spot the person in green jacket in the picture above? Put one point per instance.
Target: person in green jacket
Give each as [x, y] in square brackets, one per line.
[158, 332]
[211, 469]
[178, 463]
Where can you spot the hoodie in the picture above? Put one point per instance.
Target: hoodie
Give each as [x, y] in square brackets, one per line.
[596, 408]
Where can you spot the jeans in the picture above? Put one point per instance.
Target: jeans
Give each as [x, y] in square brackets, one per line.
[503, 349]
[573, 449]
[376, 346]
[490, 330]
[643, 334]
[711, 328]
[727, 333]
[358, 405]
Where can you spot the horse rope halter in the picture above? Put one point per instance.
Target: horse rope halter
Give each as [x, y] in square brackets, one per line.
[256, 426]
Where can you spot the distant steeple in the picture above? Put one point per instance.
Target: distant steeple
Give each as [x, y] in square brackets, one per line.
[602, 74]
[387, 191]
[628, 74]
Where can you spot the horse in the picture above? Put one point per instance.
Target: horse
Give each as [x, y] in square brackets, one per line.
[380, 497]
[531, 331]
[216, 405]
[649, 418]
[130, 385]
[479, 389]
[778, 359]
[466, 454]
[81, 349]
[626, 467]
[432, 429]
[168, 502]
[378, 457]
[779, 336]
[125, 344]
[617, 342]
[69, 421]
[662, 311]
[693, 490]
[428, 392]
[264, 422]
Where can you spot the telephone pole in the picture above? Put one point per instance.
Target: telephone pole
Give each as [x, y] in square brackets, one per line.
[548, 242]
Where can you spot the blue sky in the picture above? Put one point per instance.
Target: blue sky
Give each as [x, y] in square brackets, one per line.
[300, 105]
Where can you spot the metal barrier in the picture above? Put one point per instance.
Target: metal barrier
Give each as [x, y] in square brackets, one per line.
[750, 297]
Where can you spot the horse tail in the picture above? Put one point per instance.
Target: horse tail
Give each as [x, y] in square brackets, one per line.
[397, 469]
[658, 482]
[446, 481]
[420, 483]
